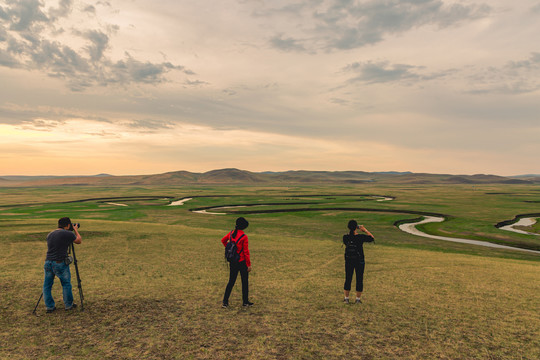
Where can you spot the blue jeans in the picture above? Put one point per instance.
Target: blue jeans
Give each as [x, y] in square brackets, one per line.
[61, 270]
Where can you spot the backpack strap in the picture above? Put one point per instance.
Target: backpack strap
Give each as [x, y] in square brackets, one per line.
[237, 240]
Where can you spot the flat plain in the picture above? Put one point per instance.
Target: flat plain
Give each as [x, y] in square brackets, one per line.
[153, 275]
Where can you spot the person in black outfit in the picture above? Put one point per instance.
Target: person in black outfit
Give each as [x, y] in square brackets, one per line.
[354, 258]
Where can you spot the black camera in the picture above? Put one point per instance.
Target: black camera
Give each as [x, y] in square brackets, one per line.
[71, 226]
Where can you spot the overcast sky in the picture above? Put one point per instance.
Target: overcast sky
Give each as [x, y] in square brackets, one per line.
[146, 86]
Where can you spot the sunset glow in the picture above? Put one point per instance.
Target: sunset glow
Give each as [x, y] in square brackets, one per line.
[140, 87]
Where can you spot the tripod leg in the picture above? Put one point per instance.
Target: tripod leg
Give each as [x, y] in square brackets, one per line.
[81, 297]
[79, 285]
[33, 312]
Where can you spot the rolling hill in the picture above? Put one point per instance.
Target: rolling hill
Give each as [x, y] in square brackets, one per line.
[236, 176]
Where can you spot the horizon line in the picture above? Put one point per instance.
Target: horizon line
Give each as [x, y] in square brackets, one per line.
[269, 171]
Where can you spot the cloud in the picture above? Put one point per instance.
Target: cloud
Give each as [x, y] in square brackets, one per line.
[63, 9]
[348, 24]
[29, 39]
[99, 43]
[288, 44]
[133, 70]
[513, 78]
[339, 101]
[90, 9]
[6, 59]
[104, 3]
[150, 124]
[24, 14]
[384, 72]
[229, 92]
[42, 124]
[14, 114]
[195, 82]
[532, 63]
[3, 14]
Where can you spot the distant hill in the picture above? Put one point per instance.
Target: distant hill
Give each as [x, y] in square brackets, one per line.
[530, 177]
[393, 172]
[231, 176]
[236, 176]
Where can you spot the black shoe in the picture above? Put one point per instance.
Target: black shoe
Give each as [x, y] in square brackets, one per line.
[225, 305]
[247, 304]
[51, 310]
[73, 307]
[358, 301]
[345, 301]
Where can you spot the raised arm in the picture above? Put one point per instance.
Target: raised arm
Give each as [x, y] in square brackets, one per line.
[365, 231]
[78, 238]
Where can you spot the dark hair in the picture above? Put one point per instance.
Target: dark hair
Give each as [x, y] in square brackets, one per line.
[241, 224]
[63, 222]
[352, 225]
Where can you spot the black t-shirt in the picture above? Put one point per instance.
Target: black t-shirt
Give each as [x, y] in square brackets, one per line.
[58, 242]
[359, 240]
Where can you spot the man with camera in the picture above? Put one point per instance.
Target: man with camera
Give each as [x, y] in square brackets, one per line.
[57, 262]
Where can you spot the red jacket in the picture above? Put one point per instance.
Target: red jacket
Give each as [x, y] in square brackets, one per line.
[242, 245]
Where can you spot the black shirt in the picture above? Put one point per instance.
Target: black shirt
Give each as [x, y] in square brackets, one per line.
[58, 242]
[359, 239]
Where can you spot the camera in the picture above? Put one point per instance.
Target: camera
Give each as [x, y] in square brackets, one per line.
[71, 226]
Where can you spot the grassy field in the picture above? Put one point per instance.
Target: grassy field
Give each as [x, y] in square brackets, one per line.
[153, 275]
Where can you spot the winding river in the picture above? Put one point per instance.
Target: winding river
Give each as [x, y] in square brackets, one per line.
[411, 229]
[521, 222]
[179, 202]
[407, 227]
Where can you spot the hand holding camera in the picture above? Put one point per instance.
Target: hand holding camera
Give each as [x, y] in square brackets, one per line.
[364, 230]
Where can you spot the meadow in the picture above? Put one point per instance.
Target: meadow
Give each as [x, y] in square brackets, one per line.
[153, 275]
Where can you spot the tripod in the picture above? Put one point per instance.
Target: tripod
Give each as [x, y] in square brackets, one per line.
[81, 296]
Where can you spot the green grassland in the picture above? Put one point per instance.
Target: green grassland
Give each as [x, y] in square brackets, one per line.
[153, 275]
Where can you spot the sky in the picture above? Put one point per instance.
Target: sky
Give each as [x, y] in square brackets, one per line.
[144, 87]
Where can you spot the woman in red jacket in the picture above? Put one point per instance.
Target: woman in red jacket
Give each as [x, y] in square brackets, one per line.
[243, 265]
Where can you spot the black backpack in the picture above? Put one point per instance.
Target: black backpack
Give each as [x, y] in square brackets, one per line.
[351, 250]
[231, 249]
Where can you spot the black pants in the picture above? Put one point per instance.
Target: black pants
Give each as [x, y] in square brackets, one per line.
[350, 267]
[236, 267]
